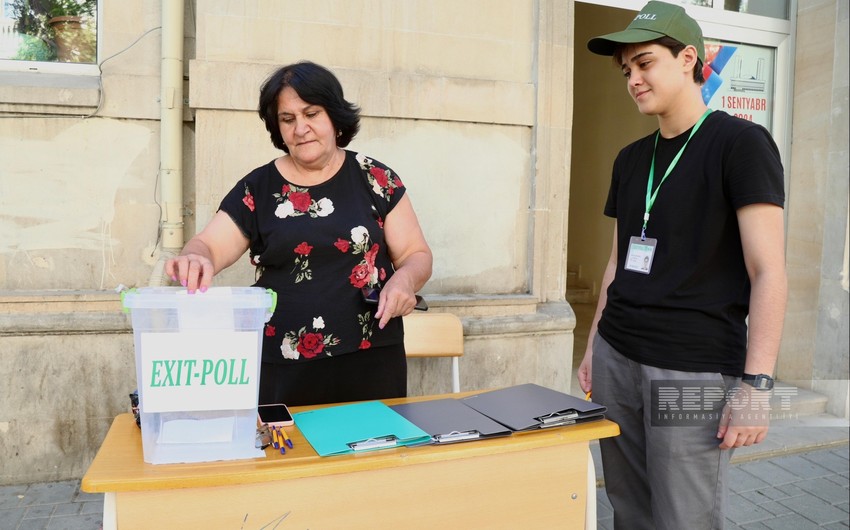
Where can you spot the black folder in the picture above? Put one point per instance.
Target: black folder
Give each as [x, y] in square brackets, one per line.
[529, 406]
[449, 421]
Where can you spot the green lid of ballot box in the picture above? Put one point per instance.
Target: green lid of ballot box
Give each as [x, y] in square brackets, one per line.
[198, 370]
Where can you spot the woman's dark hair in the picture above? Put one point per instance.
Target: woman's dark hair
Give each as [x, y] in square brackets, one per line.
[317, 86]
[671, 44]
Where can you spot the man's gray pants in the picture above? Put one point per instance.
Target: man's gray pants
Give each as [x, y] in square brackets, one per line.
[659, 476]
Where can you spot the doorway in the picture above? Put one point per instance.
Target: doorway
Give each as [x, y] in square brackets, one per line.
[604, 121]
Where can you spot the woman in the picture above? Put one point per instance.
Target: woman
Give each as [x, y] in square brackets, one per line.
[321, 224]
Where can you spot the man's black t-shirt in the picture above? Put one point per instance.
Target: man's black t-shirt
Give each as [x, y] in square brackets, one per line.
[689, 313]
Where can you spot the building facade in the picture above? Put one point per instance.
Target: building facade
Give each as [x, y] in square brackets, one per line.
[501, 124]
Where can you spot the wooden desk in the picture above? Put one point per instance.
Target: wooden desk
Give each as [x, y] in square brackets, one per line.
[526, 480]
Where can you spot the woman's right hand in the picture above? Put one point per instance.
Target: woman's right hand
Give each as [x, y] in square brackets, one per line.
[217, 247]
[193, 271]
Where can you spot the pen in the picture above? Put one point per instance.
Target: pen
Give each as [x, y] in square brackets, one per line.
[276, 441]
[587, 395]
[280, 437]
[286, 438]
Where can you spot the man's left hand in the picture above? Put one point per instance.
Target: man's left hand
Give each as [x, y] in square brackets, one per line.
[746, 417]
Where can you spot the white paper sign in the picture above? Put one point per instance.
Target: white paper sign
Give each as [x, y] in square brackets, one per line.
[199, 370]
[212, 430]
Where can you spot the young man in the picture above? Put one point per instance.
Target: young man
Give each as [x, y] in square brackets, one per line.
[693, 296]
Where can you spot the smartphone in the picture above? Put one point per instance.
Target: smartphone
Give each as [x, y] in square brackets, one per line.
[372, 294]
[420, 304]
[276, 415]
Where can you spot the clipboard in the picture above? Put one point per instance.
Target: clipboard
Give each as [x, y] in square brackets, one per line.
[448, 420]
[529, 406]
[357, 427]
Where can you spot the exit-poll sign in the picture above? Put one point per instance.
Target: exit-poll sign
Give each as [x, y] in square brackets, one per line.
[198, 370]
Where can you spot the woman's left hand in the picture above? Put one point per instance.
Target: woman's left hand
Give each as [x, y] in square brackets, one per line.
[396, 300]
[412, 261]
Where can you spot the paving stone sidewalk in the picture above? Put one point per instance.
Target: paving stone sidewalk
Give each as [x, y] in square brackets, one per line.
[791, 492]
[50, 505]
[795, 492]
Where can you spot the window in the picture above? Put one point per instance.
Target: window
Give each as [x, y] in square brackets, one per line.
[765, 8]
[38, 33]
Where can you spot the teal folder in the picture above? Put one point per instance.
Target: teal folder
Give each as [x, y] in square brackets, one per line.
[357, 427]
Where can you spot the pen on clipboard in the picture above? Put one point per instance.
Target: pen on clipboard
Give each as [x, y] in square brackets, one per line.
[587, 395]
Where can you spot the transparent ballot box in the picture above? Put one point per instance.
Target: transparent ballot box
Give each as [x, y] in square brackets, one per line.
[198, 370]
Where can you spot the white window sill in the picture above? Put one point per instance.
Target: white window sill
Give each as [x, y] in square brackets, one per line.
[48, 93]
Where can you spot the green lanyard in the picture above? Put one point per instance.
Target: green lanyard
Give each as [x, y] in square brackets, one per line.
[651, 195]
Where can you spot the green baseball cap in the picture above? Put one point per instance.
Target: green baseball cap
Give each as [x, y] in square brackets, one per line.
[655, 20]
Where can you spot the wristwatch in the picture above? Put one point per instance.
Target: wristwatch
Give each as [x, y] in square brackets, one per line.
[758, 382]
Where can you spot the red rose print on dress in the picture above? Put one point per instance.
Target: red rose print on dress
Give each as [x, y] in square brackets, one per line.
[360, 275]
[342, 245]
[371, 255]
[380, 176]
[364, 273]
[269, 331]
[302, 262]
[308, 343]
[311, 344]
[365, 321]
[300, 201]
[248, 199]
[294, 201]
[383, 181]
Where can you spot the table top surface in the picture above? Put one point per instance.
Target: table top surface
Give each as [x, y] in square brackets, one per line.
[119, 465]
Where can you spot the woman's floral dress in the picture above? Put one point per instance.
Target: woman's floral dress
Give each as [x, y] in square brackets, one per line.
[317, 246]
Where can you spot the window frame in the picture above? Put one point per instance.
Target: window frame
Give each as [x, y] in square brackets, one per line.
[57, 67]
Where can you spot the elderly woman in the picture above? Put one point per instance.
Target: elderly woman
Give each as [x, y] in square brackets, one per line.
[322, 225]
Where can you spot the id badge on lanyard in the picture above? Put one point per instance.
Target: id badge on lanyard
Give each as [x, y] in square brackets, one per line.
[642, 249]
[641, 252]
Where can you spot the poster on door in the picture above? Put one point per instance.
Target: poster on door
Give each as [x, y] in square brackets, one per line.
[739, 80]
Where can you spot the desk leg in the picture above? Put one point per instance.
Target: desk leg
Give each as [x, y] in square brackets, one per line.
[455, 375]
[590, 512]
[110, 518]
